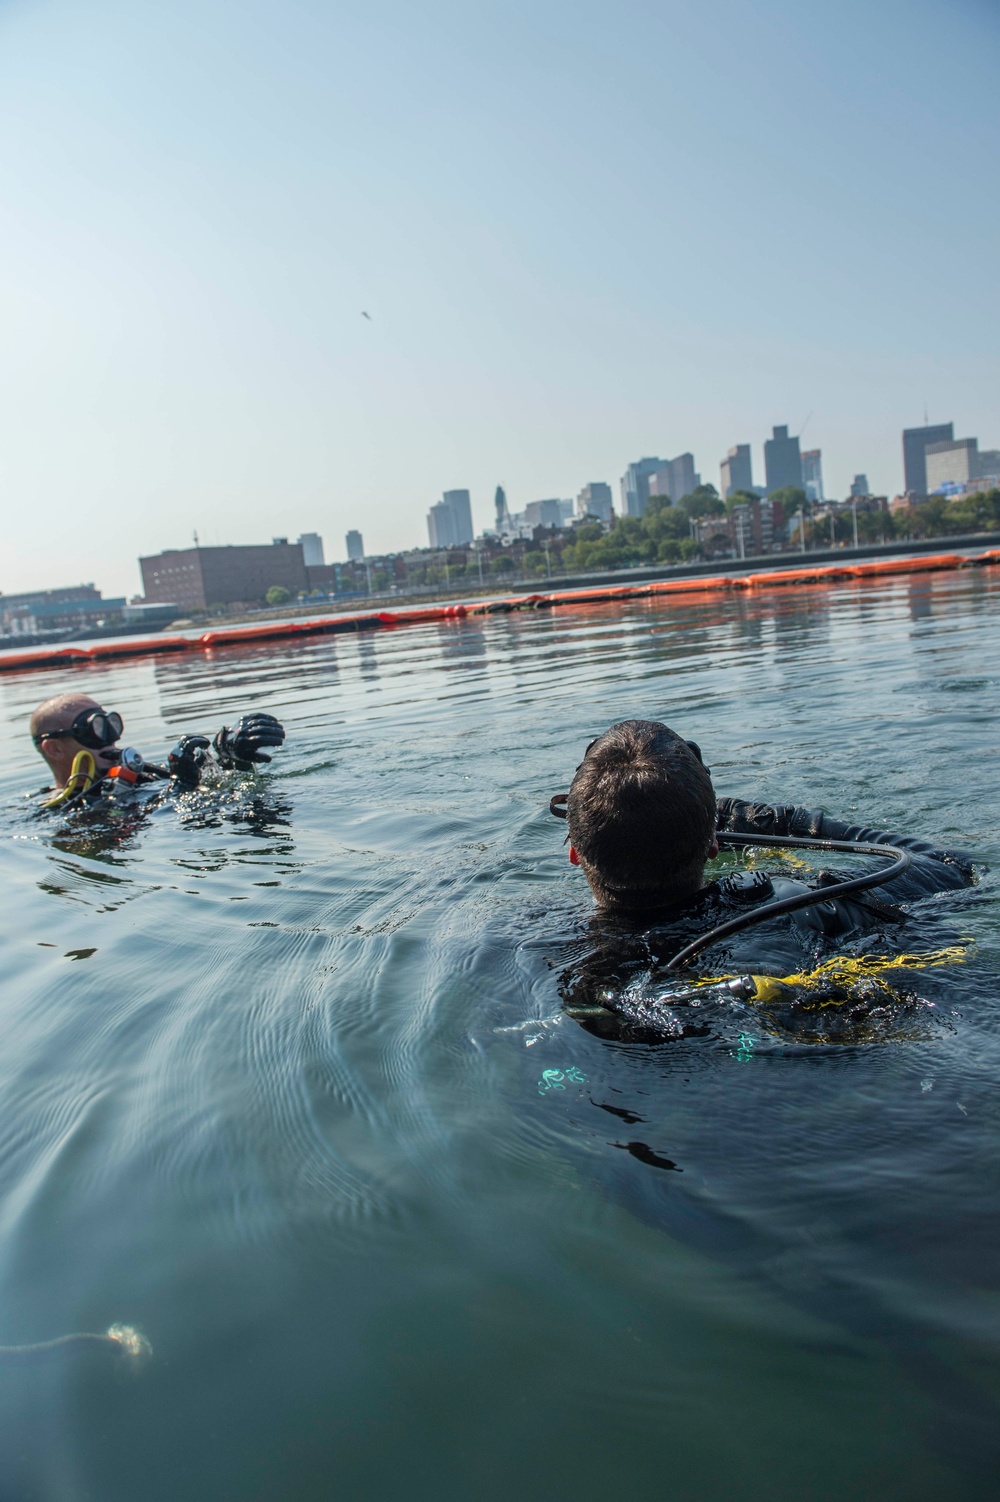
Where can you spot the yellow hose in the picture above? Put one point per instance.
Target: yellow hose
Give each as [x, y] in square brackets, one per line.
[844, 970]
[81, 779]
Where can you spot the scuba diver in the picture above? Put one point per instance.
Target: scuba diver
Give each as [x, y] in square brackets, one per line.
[78, 740]
[643, 823]
[744, 1114]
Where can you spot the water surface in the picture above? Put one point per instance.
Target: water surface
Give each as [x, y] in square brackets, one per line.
[274, 1073]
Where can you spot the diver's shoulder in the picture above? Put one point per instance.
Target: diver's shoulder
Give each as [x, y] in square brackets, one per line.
[746, 887]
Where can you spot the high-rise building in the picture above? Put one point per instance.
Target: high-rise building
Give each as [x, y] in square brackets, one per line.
[449, 521]
[543, 514]
[915, 442]
[859, 487]
[312, 549]
[684, 478]
[461, 506]
[355, 546]
[675, 478]
[812, 474]
[502, 511]
[595, 500]
[736, 470]
[782, 461]
[954, 462]
[441, 526]
[635, 485]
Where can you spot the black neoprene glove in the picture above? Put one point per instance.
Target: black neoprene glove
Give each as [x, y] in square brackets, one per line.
[240, 745]
[768, 818]
[187, 759]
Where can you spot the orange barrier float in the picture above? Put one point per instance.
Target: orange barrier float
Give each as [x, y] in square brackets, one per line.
[590, 596]
[72, 656]
[910, 565]
[695, 586]
[418, 617]
[143, 644]
[797, 576]
[250, 633]
[43, 658]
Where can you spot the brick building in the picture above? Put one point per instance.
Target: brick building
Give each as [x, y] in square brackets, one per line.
[750, 529]
[198, 578]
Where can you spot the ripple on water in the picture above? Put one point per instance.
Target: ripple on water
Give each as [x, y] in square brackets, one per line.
[313, 1111]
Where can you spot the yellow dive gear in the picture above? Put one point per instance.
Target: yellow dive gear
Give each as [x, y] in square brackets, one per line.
[842, 971]
[843, 981]
[81, 779]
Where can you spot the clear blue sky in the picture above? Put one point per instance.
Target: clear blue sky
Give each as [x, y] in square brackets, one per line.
[584, 233]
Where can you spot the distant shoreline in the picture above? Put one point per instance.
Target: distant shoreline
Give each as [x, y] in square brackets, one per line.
[731, 568]
[760, 563]
[734, 568]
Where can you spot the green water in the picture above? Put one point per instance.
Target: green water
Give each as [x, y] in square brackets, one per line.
[271, 1073]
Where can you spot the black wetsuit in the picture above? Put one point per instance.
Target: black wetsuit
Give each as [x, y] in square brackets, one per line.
[931, 868]
[614, 990]
[237, 746]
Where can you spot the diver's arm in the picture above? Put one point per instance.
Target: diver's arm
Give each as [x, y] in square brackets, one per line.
[238, 746]
[931, 870]
[188, 758]
[241, 745]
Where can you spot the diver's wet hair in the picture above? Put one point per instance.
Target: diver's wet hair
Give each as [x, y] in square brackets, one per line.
[641, 814]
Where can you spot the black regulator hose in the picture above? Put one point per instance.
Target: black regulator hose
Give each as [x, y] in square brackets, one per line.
[900, 860]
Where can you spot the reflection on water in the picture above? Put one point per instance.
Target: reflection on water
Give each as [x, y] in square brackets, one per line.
[292, 1087]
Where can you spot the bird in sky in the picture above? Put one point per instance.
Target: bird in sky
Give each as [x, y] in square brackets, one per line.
[366, 315]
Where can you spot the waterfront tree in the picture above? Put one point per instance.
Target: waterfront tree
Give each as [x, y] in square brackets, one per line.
[704, 500]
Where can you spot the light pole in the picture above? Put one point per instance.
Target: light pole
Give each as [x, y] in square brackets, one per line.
[854, 517]
[833, 530]
[802, 529]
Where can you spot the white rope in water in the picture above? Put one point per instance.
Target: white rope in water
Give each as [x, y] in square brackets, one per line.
[126, 1339]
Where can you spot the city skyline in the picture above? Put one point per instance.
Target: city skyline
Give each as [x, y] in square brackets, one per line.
[183, 288]
[451, 521]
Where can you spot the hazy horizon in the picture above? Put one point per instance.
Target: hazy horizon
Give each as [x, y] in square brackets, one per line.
[583, 236]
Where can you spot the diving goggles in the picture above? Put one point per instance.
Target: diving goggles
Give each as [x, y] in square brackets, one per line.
[93, 728]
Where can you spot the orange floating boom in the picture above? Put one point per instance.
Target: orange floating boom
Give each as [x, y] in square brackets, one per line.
[30, 660]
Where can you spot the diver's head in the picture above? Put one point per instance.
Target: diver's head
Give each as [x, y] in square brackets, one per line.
[70, 723]
[641, 812]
